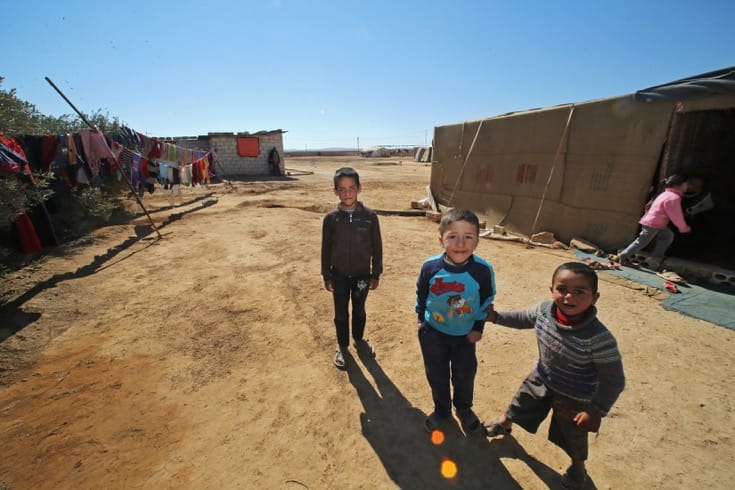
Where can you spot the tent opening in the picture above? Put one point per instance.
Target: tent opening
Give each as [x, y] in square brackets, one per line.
[702, 144]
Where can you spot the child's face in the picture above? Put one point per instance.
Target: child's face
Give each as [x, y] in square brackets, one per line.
[459, 241]
[572, 293]
[347, 191]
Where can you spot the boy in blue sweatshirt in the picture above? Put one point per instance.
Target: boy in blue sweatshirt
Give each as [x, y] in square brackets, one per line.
[452, 293]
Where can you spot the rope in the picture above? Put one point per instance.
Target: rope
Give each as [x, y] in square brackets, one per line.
[551, 173]
[466, 159]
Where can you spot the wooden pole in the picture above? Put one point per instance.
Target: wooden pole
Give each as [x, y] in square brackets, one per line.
[122, 168]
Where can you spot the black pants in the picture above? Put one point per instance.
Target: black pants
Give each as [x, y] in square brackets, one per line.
[448, 358]
[356, 289]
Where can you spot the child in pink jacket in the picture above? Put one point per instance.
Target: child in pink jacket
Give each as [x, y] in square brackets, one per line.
[655, 223]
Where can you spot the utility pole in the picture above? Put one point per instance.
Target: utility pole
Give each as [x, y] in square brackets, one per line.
[358, 144]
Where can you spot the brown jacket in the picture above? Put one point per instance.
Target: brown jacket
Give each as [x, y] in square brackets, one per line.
[352, 245]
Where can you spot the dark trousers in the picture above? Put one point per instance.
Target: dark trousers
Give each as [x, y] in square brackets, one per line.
[531, 405]
[346, 289]
[448, 358]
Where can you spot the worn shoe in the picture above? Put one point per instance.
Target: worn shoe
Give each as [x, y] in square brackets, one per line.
[434, 422]
[339, 359]
[629, 263]
[494, 429]
[470, 423]
[365, 347]
[574, 478]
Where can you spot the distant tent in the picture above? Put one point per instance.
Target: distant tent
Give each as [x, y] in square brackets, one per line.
[378, 152]
[423, 154]
[585, 170]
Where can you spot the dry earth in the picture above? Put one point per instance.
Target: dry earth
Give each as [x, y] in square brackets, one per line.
[203, 359]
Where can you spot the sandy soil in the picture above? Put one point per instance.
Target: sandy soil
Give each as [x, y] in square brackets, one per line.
[204, 359]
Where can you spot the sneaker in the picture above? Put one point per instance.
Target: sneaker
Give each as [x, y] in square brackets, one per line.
[339, 359]
[434, 422]
[574, 478]
[364, 347]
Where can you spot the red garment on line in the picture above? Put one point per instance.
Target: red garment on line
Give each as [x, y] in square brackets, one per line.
[29, 241]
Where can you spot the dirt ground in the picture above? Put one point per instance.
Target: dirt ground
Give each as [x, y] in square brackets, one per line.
[204, 359]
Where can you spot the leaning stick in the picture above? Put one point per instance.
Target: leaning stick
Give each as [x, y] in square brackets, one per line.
[122, 167]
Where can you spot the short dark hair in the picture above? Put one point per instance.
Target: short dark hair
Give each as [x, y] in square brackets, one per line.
[578, 268]
[346, 172]
[453, 215]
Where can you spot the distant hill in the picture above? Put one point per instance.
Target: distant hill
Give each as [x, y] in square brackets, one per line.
[335, 148]
[322, 152]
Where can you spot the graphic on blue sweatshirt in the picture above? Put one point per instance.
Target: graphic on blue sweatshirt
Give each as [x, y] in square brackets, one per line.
[453, 298]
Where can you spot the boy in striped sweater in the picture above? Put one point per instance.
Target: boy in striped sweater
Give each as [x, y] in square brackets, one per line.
[579, 373]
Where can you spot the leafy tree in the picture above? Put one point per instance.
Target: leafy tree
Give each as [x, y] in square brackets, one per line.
[17, 197]
[18, 117]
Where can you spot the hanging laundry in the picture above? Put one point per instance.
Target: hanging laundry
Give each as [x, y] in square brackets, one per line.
[12, 156]
[31, 145]
[97, 149]
[196, 173]
[156, 150]
[48, 150]
[28, 238]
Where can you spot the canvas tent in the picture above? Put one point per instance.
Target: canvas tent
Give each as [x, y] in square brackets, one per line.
[586, 170]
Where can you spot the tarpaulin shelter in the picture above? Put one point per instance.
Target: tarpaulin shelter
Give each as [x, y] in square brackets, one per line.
[586, 170]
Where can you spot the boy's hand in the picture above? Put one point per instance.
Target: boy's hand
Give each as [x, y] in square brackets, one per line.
[491, 315]
[329, 285]
[587, 421]
[374, 284]
[474, 336]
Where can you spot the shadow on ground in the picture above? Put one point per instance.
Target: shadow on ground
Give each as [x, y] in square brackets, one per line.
[15, 319]
[394, 428]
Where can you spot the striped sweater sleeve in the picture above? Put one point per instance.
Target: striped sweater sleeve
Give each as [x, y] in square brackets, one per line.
[520, 319]
[610, 377]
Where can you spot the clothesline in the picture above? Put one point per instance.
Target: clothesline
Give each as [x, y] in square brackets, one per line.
[154, 148]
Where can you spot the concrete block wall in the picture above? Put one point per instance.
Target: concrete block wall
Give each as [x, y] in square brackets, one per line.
[229, 162]
[233, 164]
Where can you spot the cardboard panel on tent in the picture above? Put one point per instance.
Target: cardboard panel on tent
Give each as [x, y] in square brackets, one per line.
[512, 154]
[492, 207]
[602, 227]
[518, 213]
[612, 155]
[616, 183]
[605, 226]
[601, 177]
[619, 125]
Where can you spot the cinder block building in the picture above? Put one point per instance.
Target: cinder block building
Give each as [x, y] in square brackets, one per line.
[241, 154]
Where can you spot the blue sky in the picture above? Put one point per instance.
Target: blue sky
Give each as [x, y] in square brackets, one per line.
[330, 72]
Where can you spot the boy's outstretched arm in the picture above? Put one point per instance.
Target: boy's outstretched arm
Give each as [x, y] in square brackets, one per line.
[491, 314]
[514, 319]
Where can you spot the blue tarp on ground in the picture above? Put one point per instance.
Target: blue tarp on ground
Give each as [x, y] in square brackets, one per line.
[714, 304]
